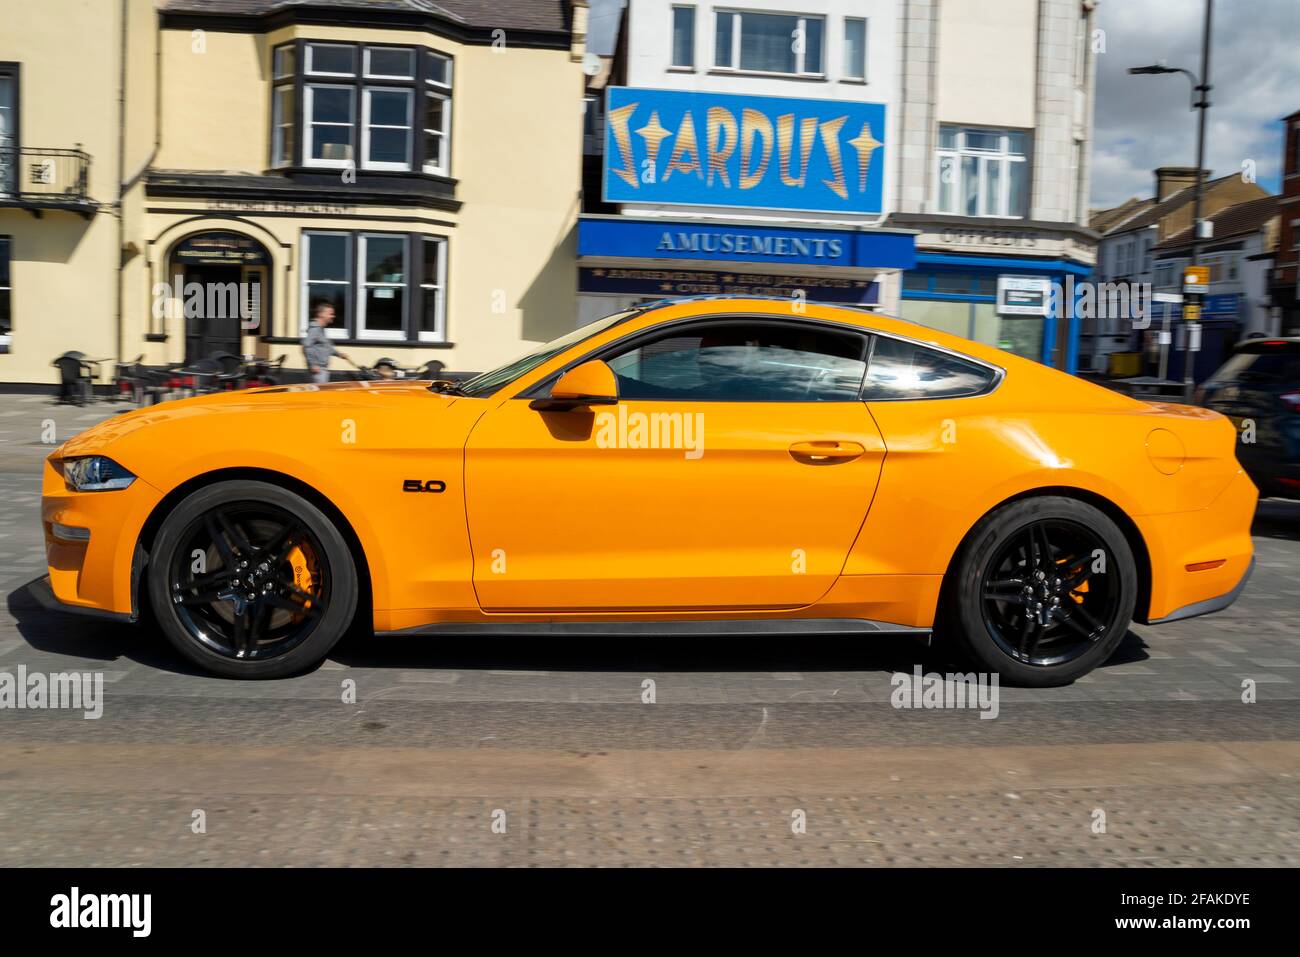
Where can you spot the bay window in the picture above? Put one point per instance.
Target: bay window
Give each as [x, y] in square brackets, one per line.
[769, 43]
[437, 114]
[370, 107]
[982, 172]
[384, 287]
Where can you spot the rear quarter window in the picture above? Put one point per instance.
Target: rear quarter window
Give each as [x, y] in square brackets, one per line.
[903, 370]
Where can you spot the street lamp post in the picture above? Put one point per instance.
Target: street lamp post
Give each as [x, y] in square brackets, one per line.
[1200, 101]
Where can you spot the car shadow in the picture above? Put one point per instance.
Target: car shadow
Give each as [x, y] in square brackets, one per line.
[88, 638]
[1277, 518]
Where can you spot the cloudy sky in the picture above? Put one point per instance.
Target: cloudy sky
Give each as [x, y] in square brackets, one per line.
[1144, 121]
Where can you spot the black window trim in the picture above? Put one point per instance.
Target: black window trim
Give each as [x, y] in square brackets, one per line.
[7, 243]
[541, 389]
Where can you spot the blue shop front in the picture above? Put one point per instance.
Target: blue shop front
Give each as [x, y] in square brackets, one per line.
[707, 193]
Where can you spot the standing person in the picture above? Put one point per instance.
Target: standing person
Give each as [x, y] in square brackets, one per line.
[317, 346]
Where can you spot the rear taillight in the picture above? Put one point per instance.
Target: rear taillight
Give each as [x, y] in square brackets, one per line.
[1291, 400]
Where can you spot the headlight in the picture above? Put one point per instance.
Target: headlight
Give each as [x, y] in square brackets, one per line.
[95, 474]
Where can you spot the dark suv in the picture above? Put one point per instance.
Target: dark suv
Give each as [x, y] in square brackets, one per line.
[1259, 389]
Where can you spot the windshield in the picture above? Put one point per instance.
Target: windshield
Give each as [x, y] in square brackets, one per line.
[489, 382]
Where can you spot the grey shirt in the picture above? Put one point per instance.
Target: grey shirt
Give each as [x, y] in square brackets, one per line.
[317, 346]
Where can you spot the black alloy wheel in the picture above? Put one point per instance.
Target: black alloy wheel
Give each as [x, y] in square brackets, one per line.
[249, 580]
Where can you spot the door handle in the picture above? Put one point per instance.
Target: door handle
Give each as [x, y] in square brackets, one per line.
[819, 452]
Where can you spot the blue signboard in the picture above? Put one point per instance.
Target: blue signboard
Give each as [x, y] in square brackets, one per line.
[723, 149]
[627, 238]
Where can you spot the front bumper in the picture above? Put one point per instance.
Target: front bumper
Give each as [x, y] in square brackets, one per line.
[101, 574]
[43, 592]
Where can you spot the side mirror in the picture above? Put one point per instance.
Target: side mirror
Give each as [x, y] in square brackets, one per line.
[591, 383]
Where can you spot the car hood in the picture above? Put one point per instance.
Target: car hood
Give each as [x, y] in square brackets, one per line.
[270, 400]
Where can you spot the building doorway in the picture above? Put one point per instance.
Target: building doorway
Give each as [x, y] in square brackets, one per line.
[220, 282]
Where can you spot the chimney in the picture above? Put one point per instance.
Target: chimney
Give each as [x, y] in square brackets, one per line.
[1170, 179]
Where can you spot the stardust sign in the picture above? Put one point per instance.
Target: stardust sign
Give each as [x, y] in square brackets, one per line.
[719, 149]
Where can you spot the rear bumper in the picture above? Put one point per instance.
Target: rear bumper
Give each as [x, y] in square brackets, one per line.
[1199, 560]
[1208, 606]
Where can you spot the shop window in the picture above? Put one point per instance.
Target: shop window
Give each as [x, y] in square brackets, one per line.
[381, 299]
[683, 37]
[433, 285]
[327, 277]
[903, 370]
[982, 172]
[1164, 274]
[769, 43]
[855, 49]
[360, 107]
[376, 292]
[6, 318]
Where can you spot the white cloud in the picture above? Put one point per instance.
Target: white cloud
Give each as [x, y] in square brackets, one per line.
[1145, 121]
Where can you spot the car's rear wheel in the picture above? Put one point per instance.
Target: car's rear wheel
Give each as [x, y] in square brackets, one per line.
[249, 580]
[1044, 590]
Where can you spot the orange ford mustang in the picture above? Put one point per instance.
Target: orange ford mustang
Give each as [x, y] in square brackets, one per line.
[724, 466]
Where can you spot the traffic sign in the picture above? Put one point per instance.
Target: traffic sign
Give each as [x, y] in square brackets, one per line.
[1196, 279]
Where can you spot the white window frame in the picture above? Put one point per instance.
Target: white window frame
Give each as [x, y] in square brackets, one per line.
[438, 288]
[866, 39]
[672, 36]
[284, 48]
[310, 47]
[443, 90]
[334, 332]
[365, 63]
[366, 162]
[1003, 156]
[279, 123]
[362, 285]
[309, 125]
[737, 19]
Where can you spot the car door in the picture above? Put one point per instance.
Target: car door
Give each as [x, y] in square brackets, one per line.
[733, 474]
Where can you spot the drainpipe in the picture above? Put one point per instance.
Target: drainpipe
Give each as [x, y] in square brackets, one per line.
[121, 173]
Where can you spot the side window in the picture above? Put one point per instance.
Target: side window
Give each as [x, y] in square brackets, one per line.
[735, 362]
[901, 370]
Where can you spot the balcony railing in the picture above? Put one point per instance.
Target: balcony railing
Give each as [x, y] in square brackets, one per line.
[44, 178]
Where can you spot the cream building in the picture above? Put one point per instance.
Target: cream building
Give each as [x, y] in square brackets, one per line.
[416, 166]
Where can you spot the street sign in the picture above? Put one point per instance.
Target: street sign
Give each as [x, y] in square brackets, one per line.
[1191, 313]
[1170, 297]
[1196, 279]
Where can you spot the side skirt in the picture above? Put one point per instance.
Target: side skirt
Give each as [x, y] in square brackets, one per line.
[704, 628]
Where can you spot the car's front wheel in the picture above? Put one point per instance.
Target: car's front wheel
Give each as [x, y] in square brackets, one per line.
[249, 580]
[1043, 590]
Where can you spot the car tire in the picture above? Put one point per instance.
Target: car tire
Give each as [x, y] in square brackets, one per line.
[209, 633]
[999, 559]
